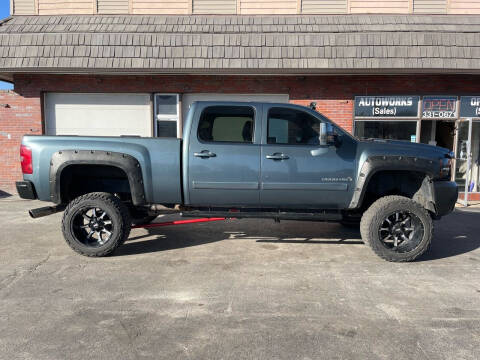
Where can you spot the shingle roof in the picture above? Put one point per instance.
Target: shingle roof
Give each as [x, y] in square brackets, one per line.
[243, 44]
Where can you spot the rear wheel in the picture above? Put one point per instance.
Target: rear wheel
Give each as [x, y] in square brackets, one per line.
[397, 228]
[95, 224]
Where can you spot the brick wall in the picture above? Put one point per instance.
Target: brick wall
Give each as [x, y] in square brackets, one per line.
[334, 96]
[18, 116]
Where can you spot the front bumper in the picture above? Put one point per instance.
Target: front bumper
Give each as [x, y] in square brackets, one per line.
[446, 195]
[26, 190]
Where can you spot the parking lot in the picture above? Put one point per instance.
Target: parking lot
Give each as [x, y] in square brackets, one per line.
[239, 289]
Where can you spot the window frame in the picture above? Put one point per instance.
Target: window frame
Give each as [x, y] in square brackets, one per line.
[164, 117]
[228, 142]
[267, 115]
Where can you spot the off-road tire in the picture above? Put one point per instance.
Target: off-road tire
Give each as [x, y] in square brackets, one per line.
[119, 215]
[375, 215]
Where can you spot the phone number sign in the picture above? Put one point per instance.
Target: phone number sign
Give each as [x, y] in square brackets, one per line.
[439, 107]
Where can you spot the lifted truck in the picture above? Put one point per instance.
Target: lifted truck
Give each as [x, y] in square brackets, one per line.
[242, 160]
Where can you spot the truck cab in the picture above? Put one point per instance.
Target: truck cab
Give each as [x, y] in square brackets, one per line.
[266, 155]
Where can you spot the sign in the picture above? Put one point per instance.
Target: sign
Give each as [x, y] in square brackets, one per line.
[470, 107]
[439, 107]
[386, 106]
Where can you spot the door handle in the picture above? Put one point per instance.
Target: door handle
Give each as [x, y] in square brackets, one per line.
[277, 156]
[204, 154]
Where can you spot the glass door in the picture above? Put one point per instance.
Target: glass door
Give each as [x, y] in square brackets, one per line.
[463, 157]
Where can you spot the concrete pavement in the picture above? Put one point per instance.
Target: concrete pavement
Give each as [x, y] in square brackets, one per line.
[243, 289]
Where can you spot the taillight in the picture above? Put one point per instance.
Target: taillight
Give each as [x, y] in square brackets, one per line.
[26, 159]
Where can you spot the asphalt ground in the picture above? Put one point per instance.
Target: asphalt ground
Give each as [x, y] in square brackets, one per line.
[239, 289]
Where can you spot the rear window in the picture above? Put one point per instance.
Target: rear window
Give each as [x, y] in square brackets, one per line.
[227, 124]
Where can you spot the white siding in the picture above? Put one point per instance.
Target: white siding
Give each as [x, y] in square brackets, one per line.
[464, 7]
[324, 6]
[178, 7]
[430, 6]
[214, 6]
[23, 7]
[112, 6]
[380, 7]
[250, 7]
[55, 7]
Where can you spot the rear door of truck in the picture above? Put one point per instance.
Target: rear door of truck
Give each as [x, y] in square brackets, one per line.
[224, 155]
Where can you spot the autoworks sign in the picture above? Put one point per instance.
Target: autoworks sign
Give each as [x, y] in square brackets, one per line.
[386, 106]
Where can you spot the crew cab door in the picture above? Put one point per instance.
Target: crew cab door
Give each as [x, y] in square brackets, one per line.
[298, 172]
[224, 155]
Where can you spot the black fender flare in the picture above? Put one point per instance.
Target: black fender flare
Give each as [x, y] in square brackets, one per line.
[130, 165]
[375, 164]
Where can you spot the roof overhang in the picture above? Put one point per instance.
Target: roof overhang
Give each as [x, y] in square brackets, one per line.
[243, 45]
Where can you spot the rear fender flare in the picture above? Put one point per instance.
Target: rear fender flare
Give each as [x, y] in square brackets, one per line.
[64, 158]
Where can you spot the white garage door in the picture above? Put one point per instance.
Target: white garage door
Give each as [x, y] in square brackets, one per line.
[188, 99]
[98, 114]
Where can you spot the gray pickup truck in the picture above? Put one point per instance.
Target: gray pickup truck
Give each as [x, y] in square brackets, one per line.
[242, 160]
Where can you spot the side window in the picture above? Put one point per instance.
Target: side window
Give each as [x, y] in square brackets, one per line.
[227, 124]
[292, 127]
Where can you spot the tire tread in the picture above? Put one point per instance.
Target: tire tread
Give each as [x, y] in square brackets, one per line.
[374, 214]
[125, 225]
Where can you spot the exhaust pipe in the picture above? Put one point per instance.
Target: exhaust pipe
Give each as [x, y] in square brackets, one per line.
[44, 211]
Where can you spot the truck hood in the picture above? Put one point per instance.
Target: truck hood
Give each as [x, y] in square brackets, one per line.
[399, 147]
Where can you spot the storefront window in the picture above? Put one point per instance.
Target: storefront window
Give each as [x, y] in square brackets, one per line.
[462, 157]
[397, 130]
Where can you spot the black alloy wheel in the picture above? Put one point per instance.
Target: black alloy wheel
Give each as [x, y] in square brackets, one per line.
[401, 231]
[92, 226]
[95, 224]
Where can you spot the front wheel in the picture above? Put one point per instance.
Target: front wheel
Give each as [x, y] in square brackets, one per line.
[95, 224]
[397, 228]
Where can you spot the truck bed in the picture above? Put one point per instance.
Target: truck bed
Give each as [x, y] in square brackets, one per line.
[159, 160]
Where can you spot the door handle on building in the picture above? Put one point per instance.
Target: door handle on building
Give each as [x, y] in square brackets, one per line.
[277, 156]
[204, 154]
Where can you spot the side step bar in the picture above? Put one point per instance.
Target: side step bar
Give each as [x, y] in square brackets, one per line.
[44, 211]
[275, 215]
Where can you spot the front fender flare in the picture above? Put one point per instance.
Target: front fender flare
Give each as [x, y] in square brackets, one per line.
[64, 158]
[375, 164]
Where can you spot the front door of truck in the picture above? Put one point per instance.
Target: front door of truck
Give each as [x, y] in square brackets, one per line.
[224, 156]
[298, 172]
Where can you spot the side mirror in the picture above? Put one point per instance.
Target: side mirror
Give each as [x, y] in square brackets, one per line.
[327, 136]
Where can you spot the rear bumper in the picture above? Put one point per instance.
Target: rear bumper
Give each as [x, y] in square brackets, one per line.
[26, 190]
[446, 194]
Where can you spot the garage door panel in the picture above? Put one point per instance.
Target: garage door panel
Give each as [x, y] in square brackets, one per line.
[98, 114]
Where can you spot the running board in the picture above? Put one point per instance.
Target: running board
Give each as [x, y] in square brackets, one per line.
[333, 216]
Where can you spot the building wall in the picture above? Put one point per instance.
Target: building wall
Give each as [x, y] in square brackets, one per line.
[244, 7]
[334, 96]
[19, 115]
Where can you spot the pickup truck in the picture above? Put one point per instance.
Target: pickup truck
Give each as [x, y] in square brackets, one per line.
[242, 160]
